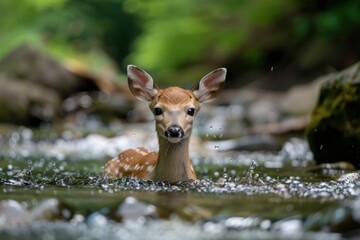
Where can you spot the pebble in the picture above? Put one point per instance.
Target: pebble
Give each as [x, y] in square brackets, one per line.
[132, 209]
[12, 212]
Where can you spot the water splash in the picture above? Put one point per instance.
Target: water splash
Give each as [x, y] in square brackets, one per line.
[250, 172]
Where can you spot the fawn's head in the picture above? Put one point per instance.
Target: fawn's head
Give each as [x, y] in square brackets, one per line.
[174, 108]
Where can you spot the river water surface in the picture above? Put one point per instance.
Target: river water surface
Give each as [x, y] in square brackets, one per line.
[54, 189]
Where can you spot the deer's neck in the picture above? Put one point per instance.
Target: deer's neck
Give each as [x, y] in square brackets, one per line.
[173, 162]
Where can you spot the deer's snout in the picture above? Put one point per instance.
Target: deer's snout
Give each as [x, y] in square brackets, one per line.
[174, 132]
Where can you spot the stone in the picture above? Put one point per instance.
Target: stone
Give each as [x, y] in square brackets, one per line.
[11, 212]
[134, 210]
[333, 133]
[37, 88]
[263, 111]
[23, 102]
[32, 65]
[301, 99]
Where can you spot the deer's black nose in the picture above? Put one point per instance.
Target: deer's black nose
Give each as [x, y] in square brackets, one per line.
[175, 132]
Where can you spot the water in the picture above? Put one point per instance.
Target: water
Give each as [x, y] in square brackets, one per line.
[54, 189]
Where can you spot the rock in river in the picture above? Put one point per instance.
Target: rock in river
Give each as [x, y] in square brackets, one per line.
[36, 88]
[334, 131]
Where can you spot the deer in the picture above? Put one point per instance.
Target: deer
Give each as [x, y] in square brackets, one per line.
[174, 111]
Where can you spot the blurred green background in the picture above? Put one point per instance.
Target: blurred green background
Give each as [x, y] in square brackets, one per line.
[279, 42]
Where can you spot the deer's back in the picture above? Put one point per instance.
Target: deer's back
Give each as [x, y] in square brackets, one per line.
[133, 163]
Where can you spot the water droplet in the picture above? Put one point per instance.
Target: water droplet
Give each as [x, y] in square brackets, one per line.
[272, 68]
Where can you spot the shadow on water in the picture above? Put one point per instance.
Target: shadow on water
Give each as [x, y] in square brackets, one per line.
[239, 195]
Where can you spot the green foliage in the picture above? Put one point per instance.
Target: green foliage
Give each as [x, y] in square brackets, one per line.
[178, 33]
[186, 35]
[328, 19]
[68, 28]
[19, 21]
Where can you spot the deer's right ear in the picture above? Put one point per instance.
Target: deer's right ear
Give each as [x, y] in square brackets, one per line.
[141, 83]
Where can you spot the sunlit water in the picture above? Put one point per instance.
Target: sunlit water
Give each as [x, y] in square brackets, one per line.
[55, 190]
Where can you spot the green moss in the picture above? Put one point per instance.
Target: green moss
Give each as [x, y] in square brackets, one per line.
[337, 102]
[334, 131]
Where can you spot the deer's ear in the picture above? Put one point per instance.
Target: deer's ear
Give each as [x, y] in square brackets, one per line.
[210, 86]
[141, 83]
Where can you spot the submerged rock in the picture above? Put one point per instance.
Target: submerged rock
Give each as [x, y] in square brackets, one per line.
[134, 210]
[12, 212]
[334, 131]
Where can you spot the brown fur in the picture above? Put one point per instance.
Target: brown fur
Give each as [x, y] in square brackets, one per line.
[133, 163]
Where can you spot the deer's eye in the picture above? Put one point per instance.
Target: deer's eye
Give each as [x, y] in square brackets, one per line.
[191, 111]
[158, 111]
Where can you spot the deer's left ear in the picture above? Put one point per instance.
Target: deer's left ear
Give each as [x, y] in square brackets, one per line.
[210, 86]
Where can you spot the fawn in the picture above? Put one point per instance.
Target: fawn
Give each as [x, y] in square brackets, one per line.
[174, 109]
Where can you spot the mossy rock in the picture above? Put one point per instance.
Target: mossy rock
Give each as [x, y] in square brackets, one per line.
[334, 130]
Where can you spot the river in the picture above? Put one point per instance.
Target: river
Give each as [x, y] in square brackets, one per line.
[53, 188]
